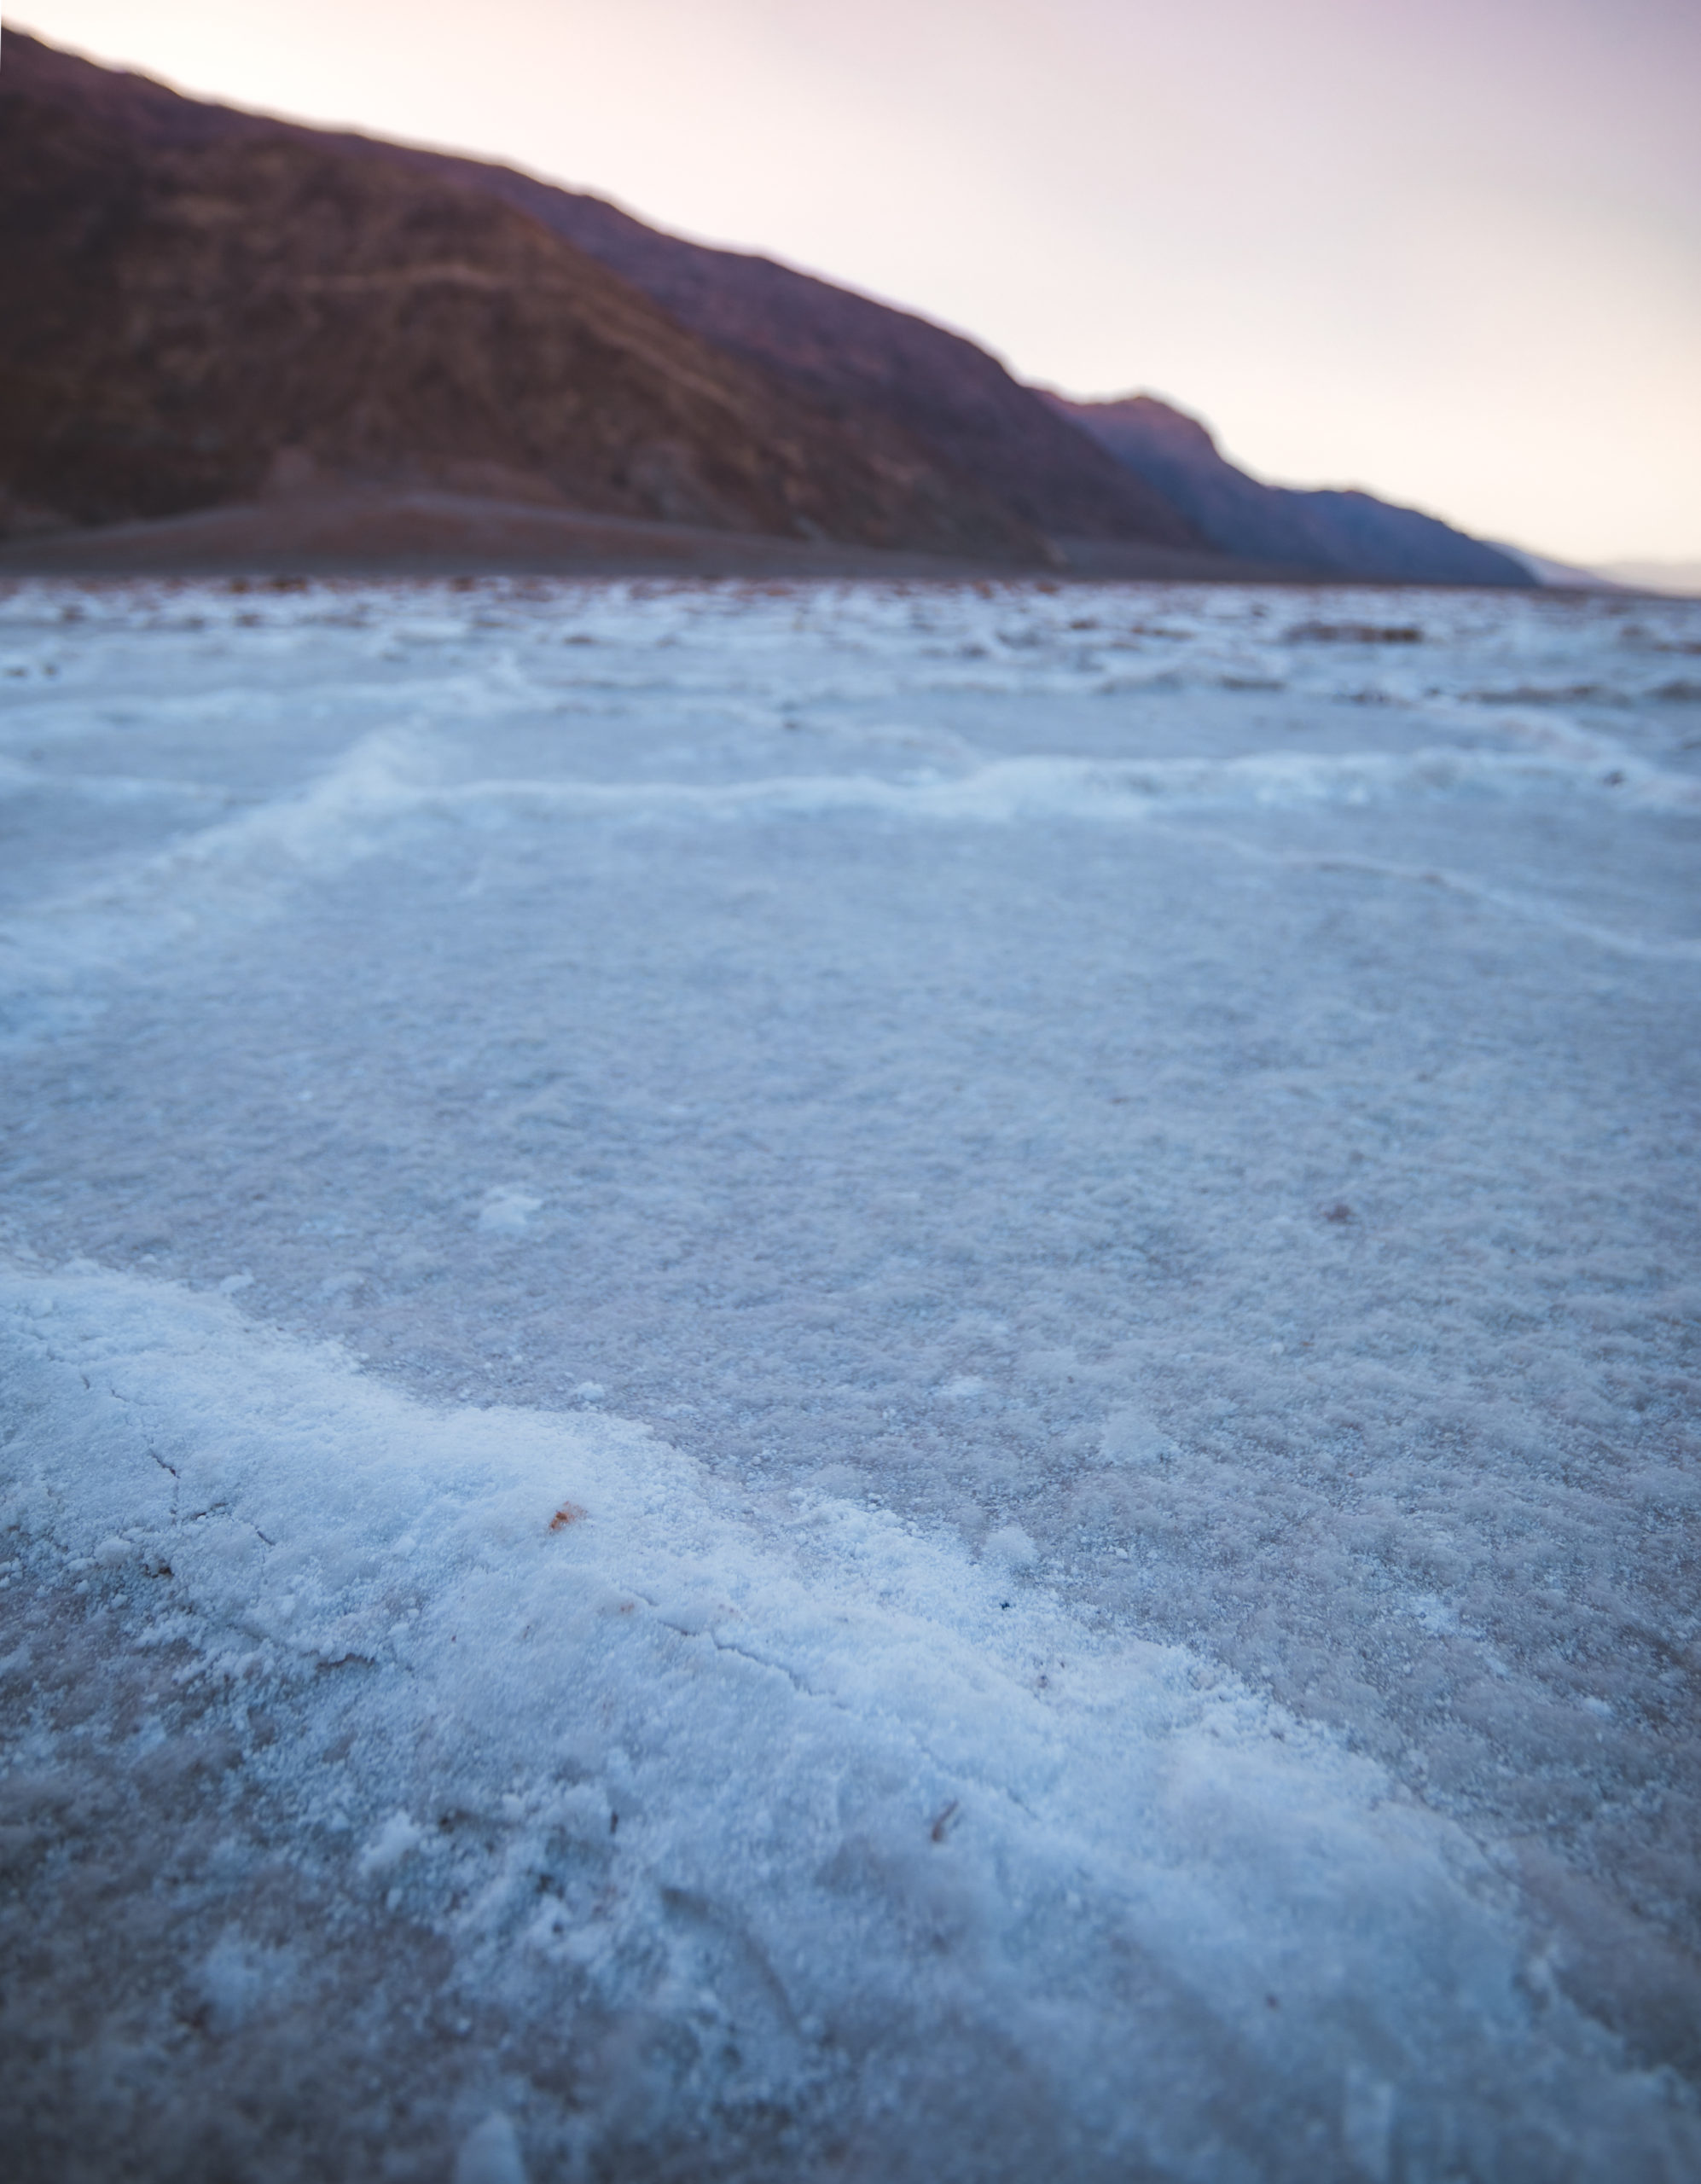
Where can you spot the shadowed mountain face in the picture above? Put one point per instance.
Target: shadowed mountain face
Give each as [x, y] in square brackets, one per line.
[879, 371]
[206, 304]
[1336, 533]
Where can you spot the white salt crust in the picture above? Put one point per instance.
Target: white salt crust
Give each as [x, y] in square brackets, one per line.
[849, 1382]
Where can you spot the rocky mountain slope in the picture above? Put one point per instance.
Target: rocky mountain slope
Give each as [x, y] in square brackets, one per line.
[211, 305]
[207, 306]
[880, 371]
[200, 326]
[1339, 533]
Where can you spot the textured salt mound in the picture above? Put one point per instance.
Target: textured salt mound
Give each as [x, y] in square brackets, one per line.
[845, 1811]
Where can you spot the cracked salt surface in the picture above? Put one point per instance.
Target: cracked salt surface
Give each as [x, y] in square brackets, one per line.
[869, 1382]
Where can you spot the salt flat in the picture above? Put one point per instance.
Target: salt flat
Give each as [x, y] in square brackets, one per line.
[848, 1381]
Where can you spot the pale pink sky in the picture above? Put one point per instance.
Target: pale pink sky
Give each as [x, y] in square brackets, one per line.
[1451, 251]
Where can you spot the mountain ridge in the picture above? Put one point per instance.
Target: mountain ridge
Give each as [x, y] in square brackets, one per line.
[1337, 531]
[562, 352]
[208, 300]
[880, 481]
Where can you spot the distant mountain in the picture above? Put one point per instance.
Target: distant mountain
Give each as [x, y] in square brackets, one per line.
[1335, 533]
[1555, 576]
[204, 305]
[1681, 579]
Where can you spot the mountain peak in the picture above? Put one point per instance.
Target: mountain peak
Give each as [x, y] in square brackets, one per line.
[1330, 532]
[1148, 414]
